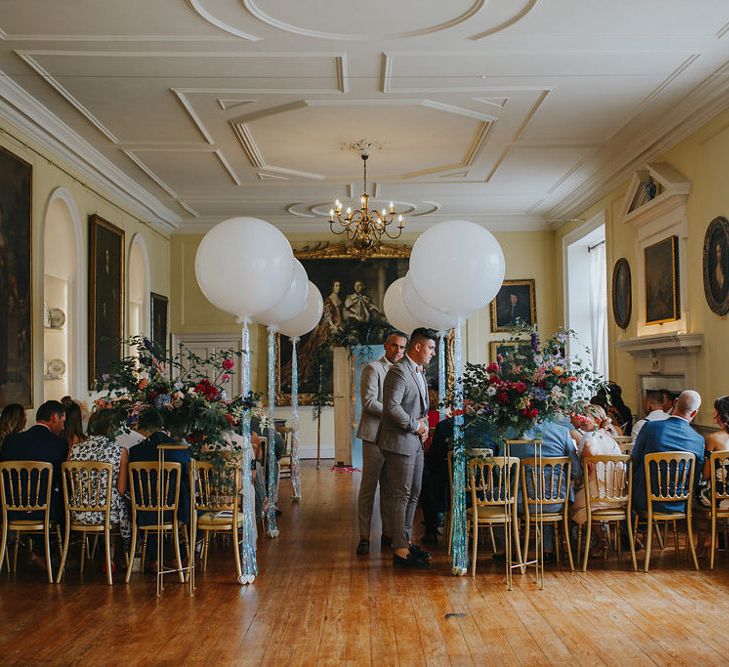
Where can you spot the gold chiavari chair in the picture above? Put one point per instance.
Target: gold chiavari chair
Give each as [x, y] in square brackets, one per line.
[215, 506]
[86, 489]
[607, 488]
[284, 464]
[719, 478]
[544, 486]
[487, 480]
[143, 491]
[673, 474]
[25, 487]
[625, 442]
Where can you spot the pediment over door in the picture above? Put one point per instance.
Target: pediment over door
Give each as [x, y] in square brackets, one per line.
[654, 191]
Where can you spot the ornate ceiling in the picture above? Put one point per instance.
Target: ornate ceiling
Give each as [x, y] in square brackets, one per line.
[512, 113]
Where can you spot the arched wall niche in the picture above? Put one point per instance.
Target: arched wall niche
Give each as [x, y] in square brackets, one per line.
[138, 287]
[64, 292]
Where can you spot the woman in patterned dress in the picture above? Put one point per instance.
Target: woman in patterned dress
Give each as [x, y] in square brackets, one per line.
[97, 446]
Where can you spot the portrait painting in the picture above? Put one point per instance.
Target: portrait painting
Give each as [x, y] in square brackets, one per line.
[662, 291]
[716, 265]
[622, 297]
[16, 355]
[507, 347]
[158, 318]
[106, 296]
[353, 291]
[515, 305]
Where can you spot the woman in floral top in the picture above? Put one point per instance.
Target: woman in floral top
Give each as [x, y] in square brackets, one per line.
[97, 447]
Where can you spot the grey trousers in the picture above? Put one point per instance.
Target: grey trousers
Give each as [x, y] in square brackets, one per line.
[372, 474]
[403, 479]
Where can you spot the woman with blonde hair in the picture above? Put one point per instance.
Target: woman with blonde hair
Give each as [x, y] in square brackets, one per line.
[12, 420]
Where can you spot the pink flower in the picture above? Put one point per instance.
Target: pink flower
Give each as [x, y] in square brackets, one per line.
[228, 364]
[225, 378]
[492, 368]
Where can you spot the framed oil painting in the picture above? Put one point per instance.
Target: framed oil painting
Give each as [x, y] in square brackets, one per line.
[353, 292]
[158, 318]
[505, 347]
[106, 296]
[16, 333]
[622, 295]
[514, 305]
[716, 265]
[662, 291]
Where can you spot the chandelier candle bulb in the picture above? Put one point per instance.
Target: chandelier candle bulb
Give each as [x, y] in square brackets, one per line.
[392, 207]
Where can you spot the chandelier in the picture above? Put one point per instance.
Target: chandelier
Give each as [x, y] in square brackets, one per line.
[364, 227]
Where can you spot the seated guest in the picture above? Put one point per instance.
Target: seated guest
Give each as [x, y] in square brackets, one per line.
[150, 425]
[716, 442]
[653, 407]
[673, 434]
[260, 452]
[42, 442]
[596, 440]
[668, 401]
[610, 399]
[12, 420]
[73, 431]
[98, 447]
[556, 441]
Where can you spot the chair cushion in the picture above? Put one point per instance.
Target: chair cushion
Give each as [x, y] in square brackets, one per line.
[217, 519]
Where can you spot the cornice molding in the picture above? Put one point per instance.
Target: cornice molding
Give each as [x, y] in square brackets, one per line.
[681, 122]
[24, 112]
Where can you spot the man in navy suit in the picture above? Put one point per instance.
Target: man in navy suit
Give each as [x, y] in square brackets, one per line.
[668, 435]
[42, 442]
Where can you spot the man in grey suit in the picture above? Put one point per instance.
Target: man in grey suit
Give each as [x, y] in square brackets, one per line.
[403, 430]
[373, 377]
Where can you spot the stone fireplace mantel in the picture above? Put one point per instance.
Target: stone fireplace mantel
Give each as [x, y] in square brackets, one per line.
[679, 343]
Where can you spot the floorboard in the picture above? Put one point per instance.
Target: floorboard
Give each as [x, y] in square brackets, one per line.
[317, 603]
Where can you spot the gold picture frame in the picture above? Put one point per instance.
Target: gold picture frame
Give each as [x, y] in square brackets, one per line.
[106, 296]
[662, 290]
[347, 268]
[514, 305]
[497, 347]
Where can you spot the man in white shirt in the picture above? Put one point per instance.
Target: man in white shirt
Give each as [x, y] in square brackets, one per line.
[653, 407]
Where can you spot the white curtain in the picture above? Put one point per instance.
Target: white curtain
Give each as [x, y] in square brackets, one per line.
[598, 310]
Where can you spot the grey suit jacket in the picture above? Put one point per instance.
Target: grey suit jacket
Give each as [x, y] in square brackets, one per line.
[403, 404]
[373, 377]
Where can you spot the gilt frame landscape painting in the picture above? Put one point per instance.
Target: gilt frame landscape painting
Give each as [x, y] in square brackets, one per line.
[16, 304]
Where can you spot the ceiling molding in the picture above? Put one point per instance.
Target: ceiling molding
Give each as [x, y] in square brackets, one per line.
[508, 23]
[197, 7]
[43, 127]
[676, 125]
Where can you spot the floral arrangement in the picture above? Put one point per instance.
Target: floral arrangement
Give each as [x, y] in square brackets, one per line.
[193, 405]
[532, 383]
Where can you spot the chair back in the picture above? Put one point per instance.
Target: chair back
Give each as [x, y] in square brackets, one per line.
[25, 486]
[487, 479]
[669, 476]
[607, 480]
[625, 442]
[719, 462]
[215, 488]
[143, 486]
[548, 484]
[87, 486]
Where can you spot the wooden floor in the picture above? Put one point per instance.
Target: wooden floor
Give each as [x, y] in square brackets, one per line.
[315, 602]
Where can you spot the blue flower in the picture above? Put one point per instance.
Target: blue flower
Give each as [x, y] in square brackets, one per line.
[162, 401]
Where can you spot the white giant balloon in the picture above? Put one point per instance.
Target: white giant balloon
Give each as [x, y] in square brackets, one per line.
[396, 312]
[457, 267]
[292, 303]
[305, 321]
[422, 312]
[244, 266]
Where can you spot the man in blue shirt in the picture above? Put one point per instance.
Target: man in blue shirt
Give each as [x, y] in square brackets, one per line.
[668, 435]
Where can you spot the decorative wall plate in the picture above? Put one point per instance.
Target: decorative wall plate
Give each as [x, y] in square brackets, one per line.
[56, 368]
[57, 318]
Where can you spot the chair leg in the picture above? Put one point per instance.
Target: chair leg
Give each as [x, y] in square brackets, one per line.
[526, 539]
[144, 547]
[47, 545]
[515, 537]
[474, 546]
[493, 539]
[132, 550]
[3, 549]
[690, 539]
[60, 541]
[236, 551]
[205, 548]
[675, 542]
[557, 554]
[659, 537]
[618, 540]
[64, 554]
[176, 538]
[713, 540]
[15, 551]
[631, 540]
[588, 536]
[579, 542]
[92, 551]
[83, 552]
[107, 554]
[648, 539]
[566, 529]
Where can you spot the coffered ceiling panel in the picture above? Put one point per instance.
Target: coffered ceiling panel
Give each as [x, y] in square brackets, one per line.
[509, 112]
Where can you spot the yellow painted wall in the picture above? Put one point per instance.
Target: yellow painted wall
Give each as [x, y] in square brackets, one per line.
[46, 179]
[703, 159]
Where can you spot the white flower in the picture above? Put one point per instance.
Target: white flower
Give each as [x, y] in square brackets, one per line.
[538, 359]
[556, 392]
[178, 385]
[491, 391]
